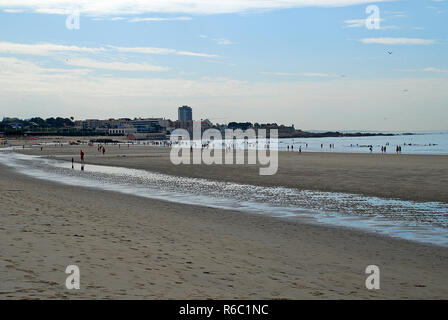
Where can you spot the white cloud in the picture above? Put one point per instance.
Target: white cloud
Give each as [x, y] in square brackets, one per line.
[155, 50]
[110, 19]
[398, 41]
[432, 69]
[50, 48]
[301, 74]
[220, 41]
[116, 7]
[223, 42]
[43, 48]
[359, 23]
[355, 23]
[15, 67]
[114, 65]
[196, 54]
[12, 10]
[160, 19]
[144, 50]
[142, 19]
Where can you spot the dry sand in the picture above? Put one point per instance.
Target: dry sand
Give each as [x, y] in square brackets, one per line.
[130, 247]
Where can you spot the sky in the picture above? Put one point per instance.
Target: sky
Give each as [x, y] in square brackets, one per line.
[314, 64]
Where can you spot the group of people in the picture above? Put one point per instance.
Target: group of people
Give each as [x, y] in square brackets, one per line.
[101, 148]
[397, 149]
[81, 155]
[292, 148]
[384, 149]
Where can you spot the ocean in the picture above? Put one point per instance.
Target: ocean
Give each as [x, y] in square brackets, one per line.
[419, 143]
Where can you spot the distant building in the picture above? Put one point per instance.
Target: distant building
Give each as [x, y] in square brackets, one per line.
[206, 124]
[122, 131]
[148, 125]
[7, 119]
[185, 113]
[116, 123]
[91, 124]
[167, 125]
[78, 124]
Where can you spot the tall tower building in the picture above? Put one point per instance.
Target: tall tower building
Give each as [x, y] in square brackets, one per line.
[185, 113]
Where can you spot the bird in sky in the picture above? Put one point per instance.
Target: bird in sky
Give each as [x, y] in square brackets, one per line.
[389, 52]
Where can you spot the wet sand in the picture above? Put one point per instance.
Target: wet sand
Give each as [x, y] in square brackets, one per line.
[131, 247]
[407, 177]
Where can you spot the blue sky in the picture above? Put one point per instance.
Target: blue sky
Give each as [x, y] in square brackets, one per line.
[315, 66]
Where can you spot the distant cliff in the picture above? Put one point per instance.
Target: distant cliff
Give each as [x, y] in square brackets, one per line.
[334, 134]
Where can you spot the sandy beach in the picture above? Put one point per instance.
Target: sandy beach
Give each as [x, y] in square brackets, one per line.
[132, 247]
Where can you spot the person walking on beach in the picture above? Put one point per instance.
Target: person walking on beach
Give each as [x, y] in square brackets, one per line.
[73, 163]
[104, 150]
[82, 160]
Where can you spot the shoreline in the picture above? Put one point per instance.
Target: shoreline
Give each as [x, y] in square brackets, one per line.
[421, 178]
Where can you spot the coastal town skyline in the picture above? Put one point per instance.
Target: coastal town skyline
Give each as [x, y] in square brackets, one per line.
[15, 125]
